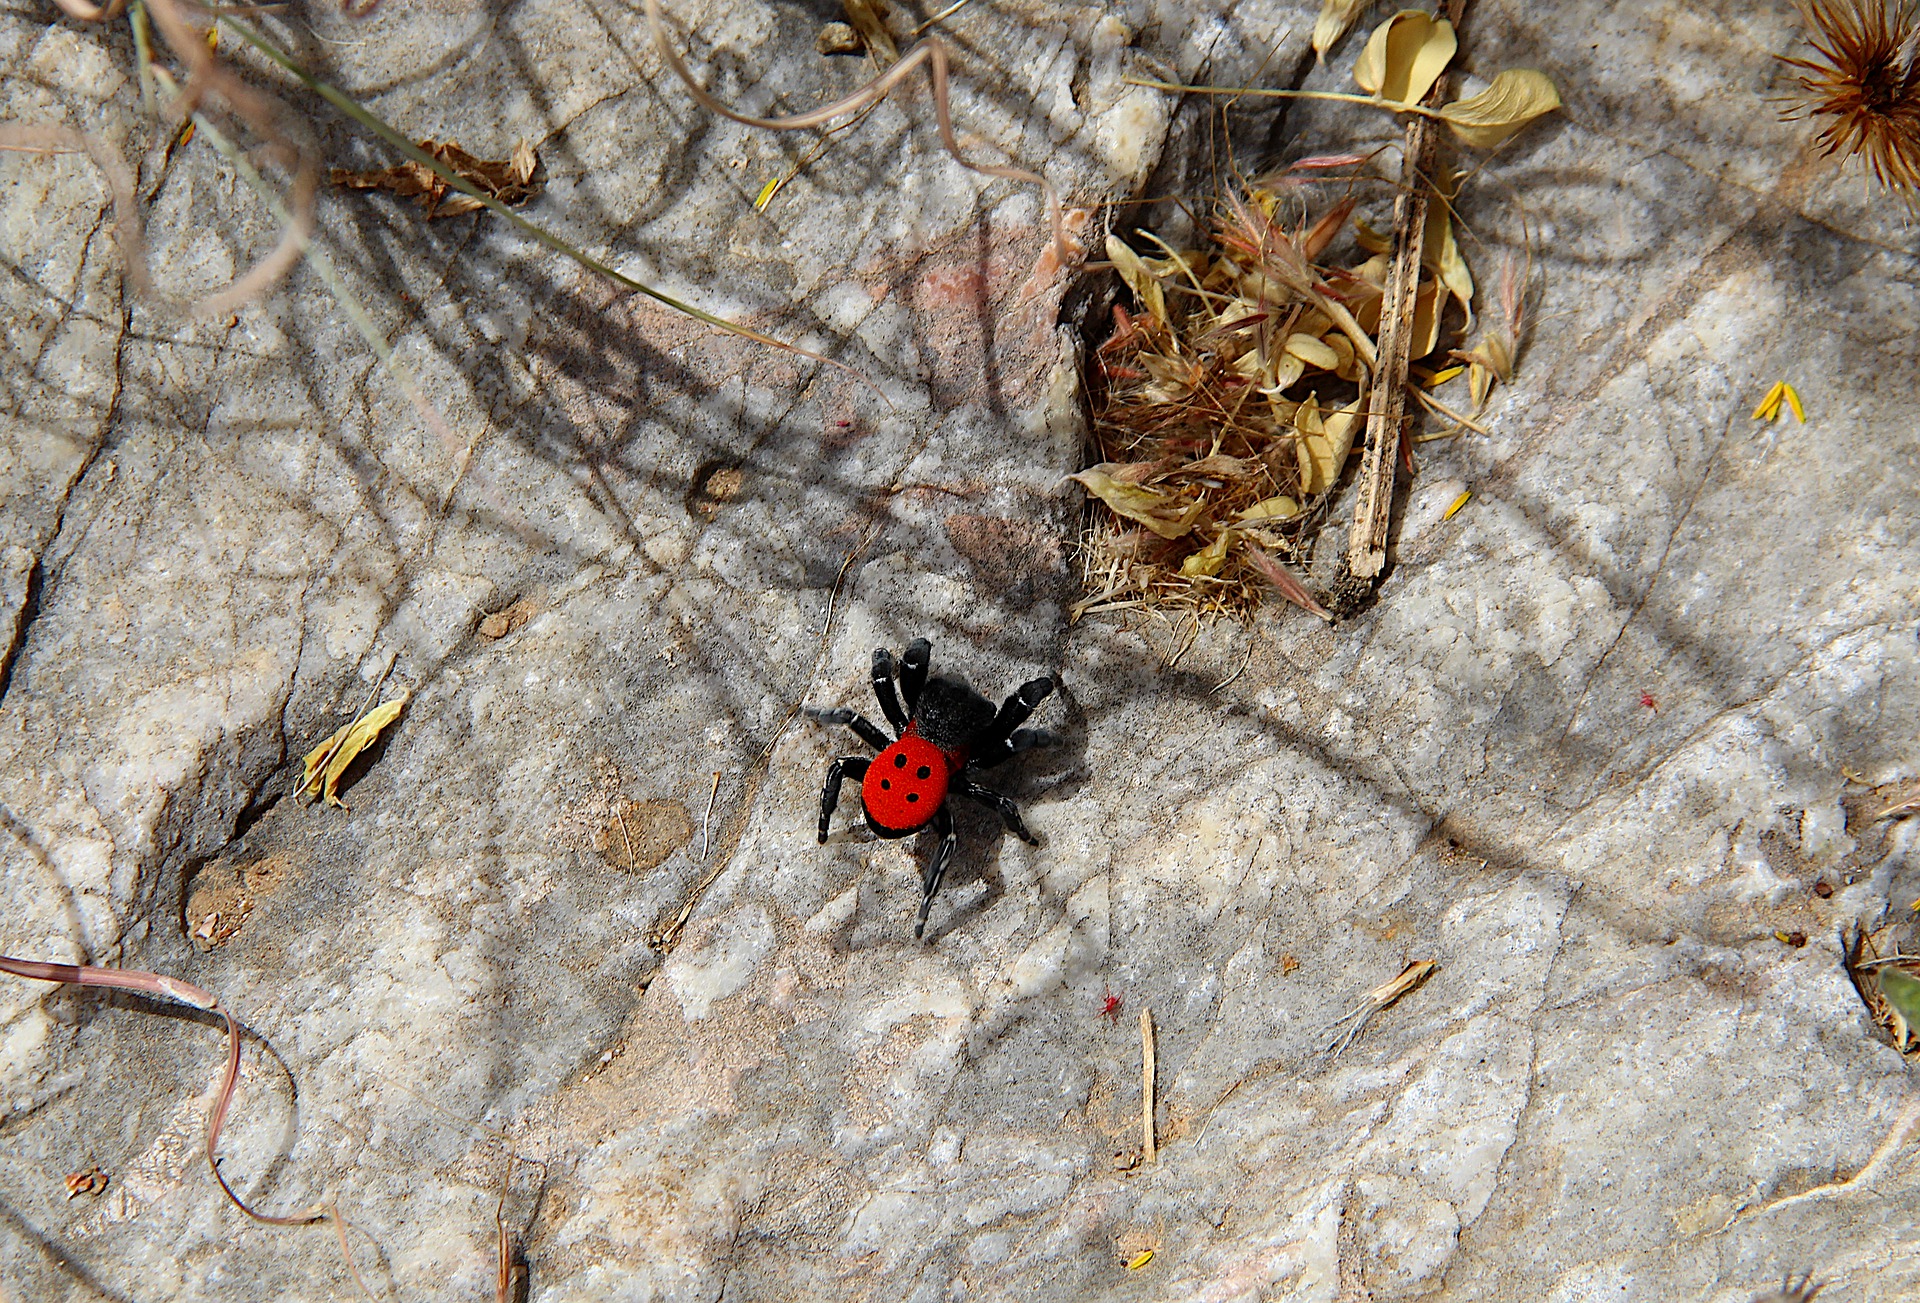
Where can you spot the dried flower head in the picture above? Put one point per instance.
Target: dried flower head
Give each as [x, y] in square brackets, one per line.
[1864, 85]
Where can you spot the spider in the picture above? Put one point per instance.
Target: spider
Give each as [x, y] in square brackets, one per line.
[946, 732]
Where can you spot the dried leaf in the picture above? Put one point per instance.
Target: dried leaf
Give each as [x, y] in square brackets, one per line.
[1286, 583]
[1516, 97]
[1166, 514]
[1336, 17]
[1321, 234]
[1325, 440]
[1208, 561]
[328, 761]
[868, 18]
[1440, 253]
[1222, 466]
[1314, 351]
[1405, 56]
[508, 180]
[1144, 284]
[1427, 311]
[1275, 509]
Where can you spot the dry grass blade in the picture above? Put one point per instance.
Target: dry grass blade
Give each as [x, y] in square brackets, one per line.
[208, 79]
[125, 979]
[932, 52]
[1380, 997]
[52, 139]
[455, 182]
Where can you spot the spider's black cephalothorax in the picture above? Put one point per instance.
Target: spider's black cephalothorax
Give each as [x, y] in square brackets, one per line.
[945, 732]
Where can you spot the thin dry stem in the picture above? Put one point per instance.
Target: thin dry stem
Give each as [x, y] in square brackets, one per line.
[930, 51]
[128, 979]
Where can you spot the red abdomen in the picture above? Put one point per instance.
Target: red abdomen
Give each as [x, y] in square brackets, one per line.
[906, 783]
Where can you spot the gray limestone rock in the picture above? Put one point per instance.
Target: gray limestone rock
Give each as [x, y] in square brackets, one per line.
[573, 959]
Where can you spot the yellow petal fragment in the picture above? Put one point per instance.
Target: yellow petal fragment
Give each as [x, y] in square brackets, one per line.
[1793, 401]
[1405, 56]
[1165, 514]
[1515, 98]
[1434, 379]
[1314, 351]
[1276, 509]
[767, 192]
[1336, 16]
[1140, 1260]
[1458, 503]
[328, 761]
[1440, 253]
[1206, 563]
[1769, 409]
[1144, 284]
[1324, 442]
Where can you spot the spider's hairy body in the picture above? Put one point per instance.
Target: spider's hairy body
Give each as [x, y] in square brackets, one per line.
[945, 732]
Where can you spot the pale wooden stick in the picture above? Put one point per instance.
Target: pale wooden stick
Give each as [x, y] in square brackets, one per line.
[1146, 1085]
[1367, 544]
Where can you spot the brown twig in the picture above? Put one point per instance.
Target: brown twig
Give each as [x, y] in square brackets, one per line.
[1387, 399]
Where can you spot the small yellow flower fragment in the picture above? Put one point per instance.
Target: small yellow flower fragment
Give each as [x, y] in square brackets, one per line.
[767, 192]
[1444, 374]
[1140, 1260]
[327, 763]
[1458, 503]
[1782, 392]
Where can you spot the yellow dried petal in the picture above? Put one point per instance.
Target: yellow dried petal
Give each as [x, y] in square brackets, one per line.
[1165, 514]
[1140, 1260]
[1427, 310]
[1405, 56]
[1515, 98]
[1440, 253]
[1769, 409]
[1324, 442]
[1206, 563]
[1458, 503]
[1280, 508]
[1314, 351]
[326, 763]
[1336, 16]
[1133, 270]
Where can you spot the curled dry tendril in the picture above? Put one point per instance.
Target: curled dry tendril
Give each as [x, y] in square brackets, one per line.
[932, 52]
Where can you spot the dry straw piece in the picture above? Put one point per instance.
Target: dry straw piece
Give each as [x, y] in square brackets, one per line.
[1864, 86]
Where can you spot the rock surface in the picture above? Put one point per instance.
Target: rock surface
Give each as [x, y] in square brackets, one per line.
[573, 958]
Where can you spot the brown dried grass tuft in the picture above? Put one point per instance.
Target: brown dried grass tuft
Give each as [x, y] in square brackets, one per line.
[1225, 407]
[1864, 86]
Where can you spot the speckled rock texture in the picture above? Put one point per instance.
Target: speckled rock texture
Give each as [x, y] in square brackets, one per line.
[573, 959]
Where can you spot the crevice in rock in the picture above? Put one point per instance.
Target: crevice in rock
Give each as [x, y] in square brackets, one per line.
[22, 623]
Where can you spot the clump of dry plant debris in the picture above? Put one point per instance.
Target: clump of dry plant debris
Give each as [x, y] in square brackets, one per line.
[1864, 86]
[1227, 400]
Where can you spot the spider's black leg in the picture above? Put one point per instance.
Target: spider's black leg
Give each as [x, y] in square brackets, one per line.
[995, 744]
[913, 671]
[845, 767]
[942, 824]
[999, 802]
[868, 730]
[883, 689]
